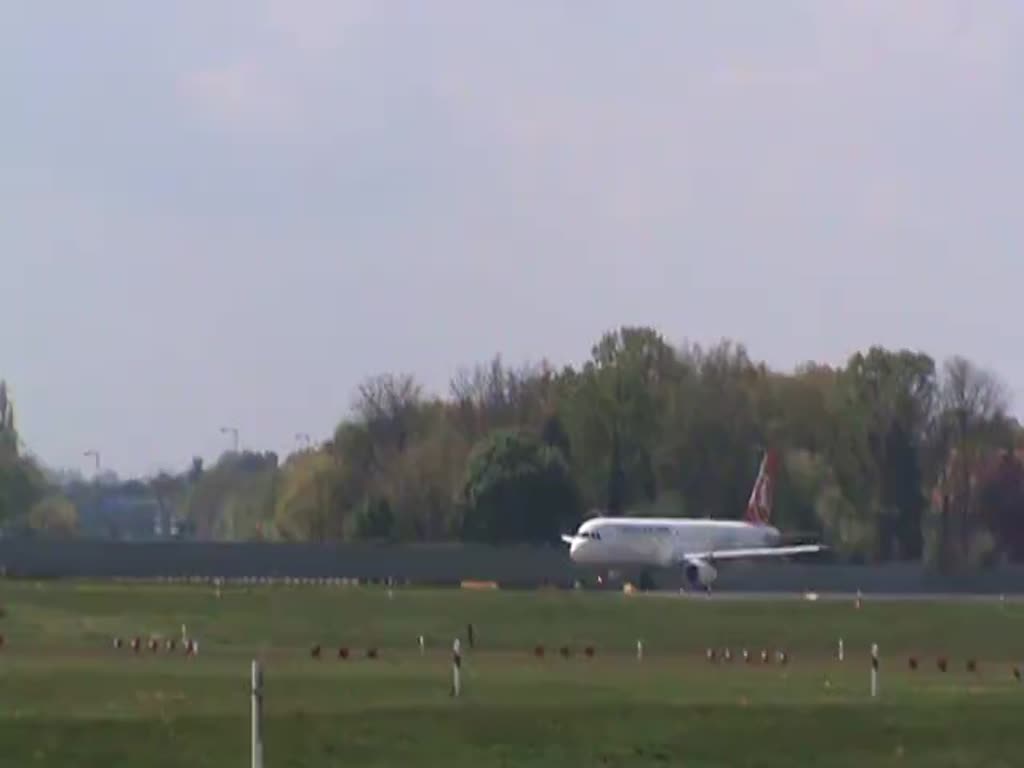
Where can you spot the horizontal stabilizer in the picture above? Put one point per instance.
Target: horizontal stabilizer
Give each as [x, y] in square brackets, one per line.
[568, 539]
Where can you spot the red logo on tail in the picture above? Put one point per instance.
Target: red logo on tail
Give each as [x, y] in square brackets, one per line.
[759, 508]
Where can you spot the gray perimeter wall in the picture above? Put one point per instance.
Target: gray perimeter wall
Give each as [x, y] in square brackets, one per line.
[525, 567]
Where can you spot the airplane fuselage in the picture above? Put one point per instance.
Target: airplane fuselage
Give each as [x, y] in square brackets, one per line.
[696, 545]
[661, 542]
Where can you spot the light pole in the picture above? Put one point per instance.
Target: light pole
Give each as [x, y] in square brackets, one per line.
[305, 439]
[233, 431]
[96, 457]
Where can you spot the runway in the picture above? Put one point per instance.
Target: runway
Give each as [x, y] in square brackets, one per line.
[881, 597]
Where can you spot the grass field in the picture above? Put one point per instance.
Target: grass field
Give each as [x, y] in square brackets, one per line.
[67, 698]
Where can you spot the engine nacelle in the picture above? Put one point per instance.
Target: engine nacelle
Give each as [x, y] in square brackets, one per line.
[699, 574]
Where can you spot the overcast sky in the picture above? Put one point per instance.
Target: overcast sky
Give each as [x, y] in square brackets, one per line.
[230, 212]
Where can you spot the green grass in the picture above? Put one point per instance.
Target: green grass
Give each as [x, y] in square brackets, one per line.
[67, 698]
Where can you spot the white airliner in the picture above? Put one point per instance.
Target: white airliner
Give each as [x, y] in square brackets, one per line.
[693, 544]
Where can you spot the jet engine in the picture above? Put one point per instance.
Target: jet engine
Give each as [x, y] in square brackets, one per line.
[699, 574]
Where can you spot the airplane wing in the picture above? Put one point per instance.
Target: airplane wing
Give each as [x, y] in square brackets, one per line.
[568, 539]
[755, 552]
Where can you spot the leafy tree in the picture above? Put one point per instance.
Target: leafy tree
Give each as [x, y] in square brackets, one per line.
[902, 495]
[8, 433]
[303, 501]
[373, 519]
[518, 489]
[724, 442]
[21, 485]
[495, 396]
[635, 369]
[802, 478]
[171, 493]
[553, 434]
[895, 393]
[971, 418]
[235, 498]
[54, 516]
[422, 485]
[1001, 497]
[388, 406]
[22, 482]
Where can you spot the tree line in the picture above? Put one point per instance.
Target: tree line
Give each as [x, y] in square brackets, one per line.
[892, 456]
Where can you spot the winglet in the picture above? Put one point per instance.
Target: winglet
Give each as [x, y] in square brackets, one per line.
[759, 507]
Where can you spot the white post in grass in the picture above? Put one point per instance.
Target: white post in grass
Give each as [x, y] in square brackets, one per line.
[840, 649]
[422, 645]
[257, 715]
[639, 650]
[874, 670]
[456, 667]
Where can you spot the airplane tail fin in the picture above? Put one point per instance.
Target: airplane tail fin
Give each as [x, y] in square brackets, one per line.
[759, 507]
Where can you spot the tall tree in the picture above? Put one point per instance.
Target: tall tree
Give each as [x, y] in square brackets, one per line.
[234, 499]
[22, 482]
[388, 406]
[1001, 498]
[303, 508]
[895, 394]
[626, 389]
[518, 489]
[971, 418]
[8, 433]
